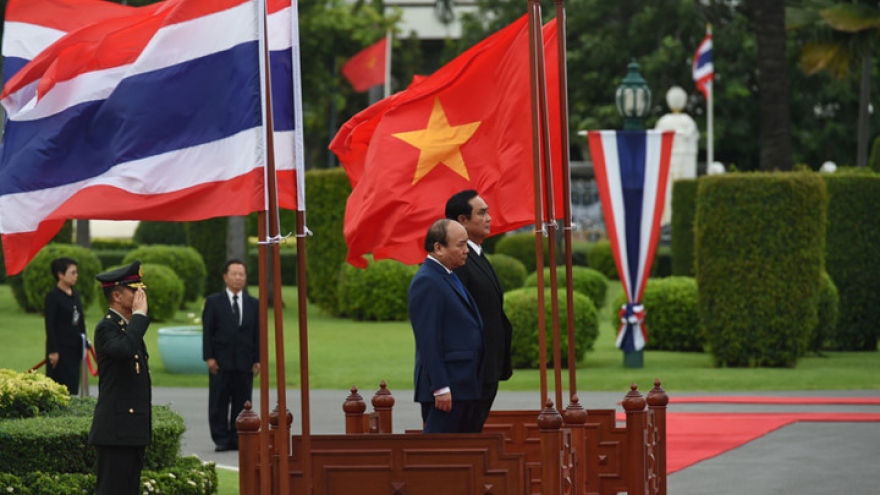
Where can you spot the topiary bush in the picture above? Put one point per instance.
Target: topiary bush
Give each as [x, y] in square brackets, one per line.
[759, 250]
[327, 191]
[510, 271]
[521, 307]
[164, 233]
[16, 283]
[671, 315]
[684, 203]
[853, 235]
[829, 311]
[522, 247]
[56, 442]
[377, 292]
[186, 262]
[203, 236]
[600, 258]
[25, 395]
[164, 291]
[39, 279]
[587, 281]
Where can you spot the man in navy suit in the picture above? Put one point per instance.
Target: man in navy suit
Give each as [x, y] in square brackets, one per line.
[448, 334]
[231, 348]
[479, 278]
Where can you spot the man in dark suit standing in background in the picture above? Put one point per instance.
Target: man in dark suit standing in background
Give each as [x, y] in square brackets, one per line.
[448, 334]
[231, 349]
[122, 424]
[479, 278]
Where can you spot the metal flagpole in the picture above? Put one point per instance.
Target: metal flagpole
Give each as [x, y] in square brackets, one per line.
[710, 103]
[388, 40]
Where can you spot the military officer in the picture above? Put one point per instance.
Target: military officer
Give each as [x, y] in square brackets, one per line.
[121, 427]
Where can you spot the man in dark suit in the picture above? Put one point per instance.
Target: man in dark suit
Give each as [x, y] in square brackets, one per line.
[448, 333]
[121, 427]
[479, 278]
[231, 348]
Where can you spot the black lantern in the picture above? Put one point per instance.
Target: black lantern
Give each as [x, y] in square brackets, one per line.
[633, 99]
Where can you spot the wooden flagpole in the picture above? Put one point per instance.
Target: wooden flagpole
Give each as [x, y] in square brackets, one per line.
[534, 48]
[566, 192]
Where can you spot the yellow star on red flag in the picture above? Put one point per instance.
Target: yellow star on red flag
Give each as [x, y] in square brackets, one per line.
[439, 143]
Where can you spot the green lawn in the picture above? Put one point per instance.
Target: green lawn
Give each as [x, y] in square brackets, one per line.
[343, 353]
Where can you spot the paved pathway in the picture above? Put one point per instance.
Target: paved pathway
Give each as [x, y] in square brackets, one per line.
[802, 458]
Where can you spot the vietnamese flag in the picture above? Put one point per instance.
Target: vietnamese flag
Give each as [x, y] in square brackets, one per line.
[367, 67]
[467, 126]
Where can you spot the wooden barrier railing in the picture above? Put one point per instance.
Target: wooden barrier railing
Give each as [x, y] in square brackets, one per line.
[578, 452]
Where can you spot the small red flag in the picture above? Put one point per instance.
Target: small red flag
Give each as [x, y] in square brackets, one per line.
[467, 126]
[367, 67]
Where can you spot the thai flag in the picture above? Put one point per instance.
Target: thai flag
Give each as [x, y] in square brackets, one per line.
[703, 70]
[149, 113]
[632, 169]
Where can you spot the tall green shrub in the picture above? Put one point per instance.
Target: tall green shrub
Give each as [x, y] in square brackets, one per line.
[600, 257]
[208, 237]
[671, 315]
[39, 279]
[521, 246]
[510, 271]
[759, 247]
[853, 237]
[166, 233]
[186, 262]
[874, 159]
[587, 281]
[327, 191]
[377, 292]
[829, 312]
[684, 201]
[521, 307]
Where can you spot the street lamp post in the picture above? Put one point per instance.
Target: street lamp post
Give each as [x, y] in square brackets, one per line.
[633, 99]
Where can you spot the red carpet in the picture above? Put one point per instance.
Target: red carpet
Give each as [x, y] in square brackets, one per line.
[737, 399]
[693, 437]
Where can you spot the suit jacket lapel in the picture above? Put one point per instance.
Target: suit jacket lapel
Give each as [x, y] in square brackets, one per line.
[483, 265]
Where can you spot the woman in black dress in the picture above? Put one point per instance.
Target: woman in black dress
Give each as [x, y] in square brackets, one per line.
[65, 327]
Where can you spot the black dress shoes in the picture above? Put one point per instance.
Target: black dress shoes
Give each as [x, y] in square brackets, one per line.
[223, 448]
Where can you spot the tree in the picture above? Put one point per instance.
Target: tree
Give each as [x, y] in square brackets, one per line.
[848, 36]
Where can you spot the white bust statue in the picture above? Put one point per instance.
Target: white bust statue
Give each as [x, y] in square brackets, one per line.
[683, 164]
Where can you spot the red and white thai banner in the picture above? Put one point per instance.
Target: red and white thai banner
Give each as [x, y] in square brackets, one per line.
[632, 170]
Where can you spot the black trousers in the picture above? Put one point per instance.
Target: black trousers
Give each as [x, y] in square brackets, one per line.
[119, 469]
[482, 408]
[454, 421]
[67, 371]
[227, 393]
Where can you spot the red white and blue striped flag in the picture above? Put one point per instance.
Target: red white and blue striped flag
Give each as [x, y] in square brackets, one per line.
[703, 69]
[148, 113]
[632, 169]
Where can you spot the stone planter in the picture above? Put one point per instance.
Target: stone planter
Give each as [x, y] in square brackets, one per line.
[181, 350]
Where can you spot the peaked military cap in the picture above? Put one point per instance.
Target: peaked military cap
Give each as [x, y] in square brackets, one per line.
[128, 276]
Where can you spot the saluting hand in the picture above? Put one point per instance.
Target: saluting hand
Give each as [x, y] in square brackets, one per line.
[139, 304]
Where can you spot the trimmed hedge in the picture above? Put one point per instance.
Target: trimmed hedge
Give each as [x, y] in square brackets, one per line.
[521, 307]
[39, 279]
[671, 315]
[510, 271]
[185, 261]
[586, 281]
[189, 476]
[600, 257]
[853, 235]
[163, 233]
[684, 201]
[829, 312]
[759, 250]
[208, 237]
[521, 246]
[25, 395]
[113, 244]
[327, 191]
[288, 265]
[57, 442]
[16, 283]
[377, 292]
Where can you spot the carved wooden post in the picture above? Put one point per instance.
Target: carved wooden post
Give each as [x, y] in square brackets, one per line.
[248, 425]
[383, 402]
[274, 442]
[549, 425]
[354, 408]
[575, 417]
[634, 405]
[657, 402]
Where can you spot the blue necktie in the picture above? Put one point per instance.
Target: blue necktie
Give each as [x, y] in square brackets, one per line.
[458, 284]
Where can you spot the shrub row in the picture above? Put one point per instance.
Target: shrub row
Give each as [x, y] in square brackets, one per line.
[25, 395]
[586, 281]
[377, 292]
